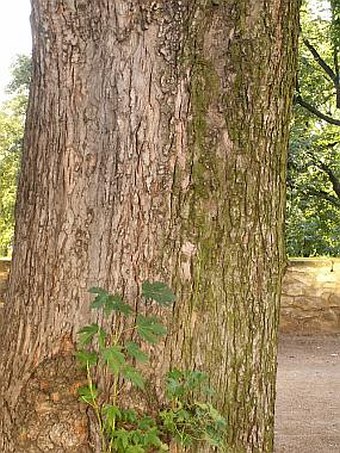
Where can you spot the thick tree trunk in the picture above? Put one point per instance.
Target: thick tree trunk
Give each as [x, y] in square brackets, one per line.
[155, 148]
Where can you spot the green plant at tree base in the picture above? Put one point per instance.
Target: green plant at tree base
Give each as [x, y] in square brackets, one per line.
[182, 419]
[186, 420]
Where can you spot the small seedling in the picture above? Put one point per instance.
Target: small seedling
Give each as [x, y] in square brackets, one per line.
[182, 419]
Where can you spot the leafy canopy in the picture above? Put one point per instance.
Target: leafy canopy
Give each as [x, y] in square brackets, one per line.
[12, 118]
[313, 182]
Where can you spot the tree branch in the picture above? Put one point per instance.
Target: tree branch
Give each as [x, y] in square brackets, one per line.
[334, 75]
[321, 62]
[336, 67]
[298, 100]
[326, 169]
[325, 196]
[332, 177]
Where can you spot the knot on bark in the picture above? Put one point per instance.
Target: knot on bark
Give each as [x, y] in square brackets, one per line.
[50, 417]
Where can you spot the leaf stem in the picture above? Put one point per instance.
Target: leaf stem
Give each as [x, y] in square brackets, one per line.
[96, 407]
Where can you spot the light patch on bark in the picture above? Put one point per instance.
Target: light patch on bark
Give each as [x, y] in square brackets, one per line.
[188, 252]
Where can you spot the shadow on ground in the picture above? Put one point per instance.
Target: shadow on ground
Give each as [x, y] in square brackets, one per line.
[308, 395]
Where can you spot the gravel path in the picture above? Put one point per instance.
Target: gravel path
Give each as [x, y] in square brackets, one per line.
[308, 395]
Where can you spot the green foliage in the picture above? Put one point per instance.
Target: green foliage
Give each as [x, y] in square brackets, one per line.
[313, 183]
[158, 292]
[313, 208]
[149, 328]
[109, 302]
[21, 75]
[11, 132]
[189, 421]
[12, 118]
[182, 419]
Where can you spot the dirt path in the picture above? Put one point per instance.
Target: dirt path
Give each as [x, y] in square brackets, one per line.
[308, 395]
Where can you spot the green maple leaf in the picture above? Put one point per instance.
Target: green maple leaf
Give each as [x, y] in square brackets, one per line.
[114, 358]
[87, 333]
[159, 292]
[135, 352]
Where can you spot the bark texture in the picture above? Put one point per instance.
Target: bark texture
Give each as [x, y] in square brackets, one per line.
[155, 148]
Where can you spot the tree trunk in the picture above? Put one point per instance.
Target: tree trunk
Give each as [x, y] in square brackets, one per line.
[155, 148]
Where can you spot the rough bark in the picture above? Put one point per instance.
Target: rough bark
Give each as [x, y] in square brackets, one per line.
[155, 148]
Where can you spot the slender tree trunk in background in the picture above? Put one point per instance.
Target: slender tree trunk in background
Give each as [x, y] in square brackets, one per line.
[155, 148]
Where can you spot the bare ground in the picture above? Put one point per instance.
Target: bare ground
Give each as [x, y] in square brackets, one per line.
[308, 395]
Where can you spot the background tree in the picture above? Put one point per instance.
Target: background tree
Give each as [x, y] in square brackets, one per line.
[21, 76]
[12, 117]
[313, 215]
[155, 148]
